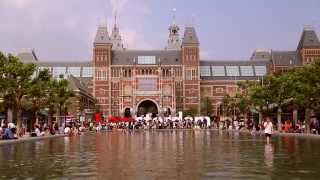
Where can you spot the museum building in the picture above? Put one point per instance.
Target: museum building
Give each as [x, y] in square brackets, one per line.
[172, 79]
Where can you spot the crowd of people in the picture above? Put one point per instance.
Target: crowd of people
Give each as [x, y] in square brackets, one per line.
[9, 130]
[147, 122]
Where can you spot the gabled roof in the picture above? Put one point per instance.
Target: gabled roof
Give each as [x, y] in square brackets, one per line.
[102, 36]
[76, 85]
[190, 36]
[27, 56]
[285, 58]
[261, 55]
[129, 57]
[64, 64]
[309, 39]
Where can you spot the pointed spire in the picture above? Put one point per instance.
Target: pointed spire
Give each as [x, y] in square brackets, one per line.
[190, 36]
[309, 38]
[174, 15]
[174, 42]
[115, 19]
[102, 35]
[116, 39]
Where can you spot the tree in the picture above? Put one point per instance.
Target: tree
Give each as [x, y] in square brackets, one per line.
[15, 82]
[261, 98]
[280, 88]
[63, 95]
[306, 89]
[38, 93]
[243, 101]
[206, 106]
[227, 103]
[191, 111]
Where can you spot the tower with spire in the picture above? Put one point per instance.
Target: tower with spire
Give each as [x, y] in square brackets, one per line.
[309, 45]
[191, 61]
[102, 50]
[116, 40]
[174, 42]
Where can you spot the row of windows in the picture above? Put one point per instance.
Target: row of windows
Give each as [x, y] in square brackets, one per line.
[213, 91]
[74, 71]
[190, 57]
[115, 72]
[101, 75]
[312, 51]
[146, 71]
[165, 72]
[257, 70]
[191, 74]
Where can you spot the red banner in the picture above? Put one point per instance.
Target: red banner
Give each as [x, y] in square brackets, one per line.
[98, 118]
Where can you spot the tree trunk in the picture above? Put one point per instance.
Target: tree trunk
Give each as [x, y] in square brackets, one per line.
[50, 114]
[279, 110]
[59, 120]
[19, 117]
[34, 116]
[295, 117]
[245, 116]
[9, 115]
[307, 120]
[260, 117]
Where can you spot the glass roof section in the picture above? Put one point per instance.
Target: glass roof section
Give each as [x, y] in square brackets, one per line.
[246, 71]
[146, 60]
[260, 70]
[232, 70]
[218, 71]
[205, 71]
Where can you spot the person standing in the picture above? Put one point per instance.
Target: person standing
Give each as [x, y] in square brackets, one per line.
[268, 129]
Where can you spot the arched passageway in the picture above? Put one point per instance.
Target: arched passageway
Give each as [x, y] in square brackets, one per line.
[146, 107]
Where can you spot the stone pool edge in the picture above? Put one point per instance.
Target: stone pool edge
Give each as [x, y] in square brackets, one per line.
[27, 139]
[302, 135]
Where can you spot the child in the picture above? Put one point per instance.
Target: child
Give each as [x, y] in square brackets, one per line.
[268, 128]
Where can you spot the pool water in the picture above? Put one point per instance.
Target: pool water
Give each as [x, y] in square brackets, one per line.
[167, 154]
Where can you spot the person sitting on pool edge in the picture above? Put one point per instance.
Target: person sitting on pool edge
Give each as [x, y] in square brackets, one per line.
[10, 131]
[268, 128]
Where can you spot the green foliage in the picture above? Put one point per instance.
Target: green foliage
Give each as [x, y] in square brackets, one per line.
[192, 111]
[15, 82]
[299, 86]
[21, 87]
[58, 96]
[206, 106]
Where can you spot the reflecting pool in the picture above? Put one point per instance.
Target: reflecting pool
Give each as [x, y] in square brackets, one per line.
[176, 154]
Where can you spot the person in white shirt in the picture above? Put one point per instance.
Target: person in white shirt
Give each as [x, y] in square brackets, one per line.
[268, 128]
[37, 131]
[67, 130]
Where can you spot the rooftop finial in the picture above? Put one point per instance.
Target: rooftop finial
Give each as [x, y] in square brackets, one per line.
[191, 20]
[174, 15]
[115, 18]
[307, 27]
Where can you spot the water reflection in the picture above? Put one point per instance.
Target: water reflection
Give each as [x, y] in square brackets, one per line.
[161, 155]
[268, 155]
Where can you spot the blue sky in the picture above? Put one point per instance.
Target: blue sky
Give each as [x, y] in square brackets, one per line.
[227, 29]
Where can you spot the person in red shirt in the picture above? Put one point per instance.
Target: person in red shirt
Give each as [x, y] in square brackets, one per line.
[287, 126]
